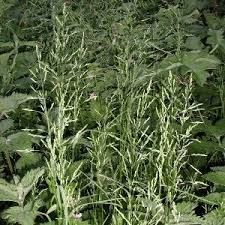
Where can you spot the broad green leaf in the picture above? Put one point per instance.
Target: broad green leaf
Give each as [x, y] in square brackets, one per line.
[8, 192]
[29, 160]
[198, 63]
[216, 198]
[191, 18]
[10, 44]
[171, 62]
[218, 168]
[216, 38]
[20, 141]
[201, 77]
[190, 5]
[197, 30]
[185, 214]
[217, 177]
[218, 129]
[215, 217]
[4, 59]
[24, 60]
[4, 67]
[12, 102]
[23, 83]
[5, 125]
[186, 207]
[194, 43]
[28, 43]
[30, 179]
[194, 62]
[7, 44]
[21, 215]
[204, 95]
[203, 147]
[3, 144]
[213, 21]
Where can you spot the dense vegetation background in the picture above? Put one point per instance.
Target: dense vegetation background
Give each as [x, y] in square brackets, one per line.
[112, 112]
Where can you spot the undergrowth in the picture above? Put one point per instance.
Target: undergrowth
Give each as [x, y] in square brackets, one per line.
[112, 112]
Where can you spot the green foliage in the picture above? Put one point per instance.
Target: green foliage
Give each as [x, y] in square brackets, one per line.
[215, 198]
[8, 191]
[216, 177]
[12, 102]
[106, 95]
[184, 214]
[17, 192]
[21, 215]
[17, 142]
[5, 125]
[29, 160]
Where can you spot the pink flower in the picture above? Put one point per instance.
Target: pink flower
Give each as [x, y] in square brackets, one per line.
[93, 96]
[77, 216]
[91, 76]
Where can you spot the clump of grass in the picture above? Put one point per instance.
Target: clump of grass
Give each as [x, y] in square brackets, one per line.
[140, 148]
[58, 78]
[137, 146]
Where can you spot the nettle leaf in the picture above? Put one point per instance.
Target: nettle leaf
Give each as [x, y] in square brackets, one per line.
[217, 177]
[216, 130]
[213, 21]
[197, 30]
[195, 62]
[171, 62]
[12, 102]
[29, 160]
[17, 193]
[23, 83]
[216, 38]
[4, 67]
[203, 147]
[3, 144]
[185, 214]
[215, 198]
[191, 18]
[6, 125]
[215, 217]
[24, 60]
[198, 63]
[201, 77]
[218, 168]
[22, 215]
[186, 207]
[8, 192]
[30, 179]
[194, 43]
[190, 5]
[20, 141]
